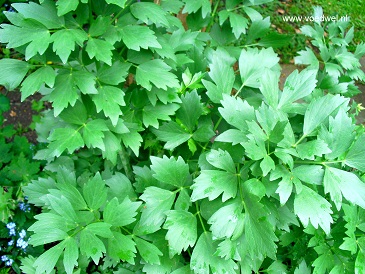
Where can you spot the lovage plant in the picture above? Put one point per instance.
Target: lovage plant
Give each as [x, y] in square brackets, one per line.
[171, 148]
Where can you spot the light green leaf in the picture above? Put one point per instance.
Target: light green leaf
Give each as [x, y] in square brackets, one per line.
[360, 263]
[238, 23]
[204, 258]
[270, 87]
[212, 183]
[120, 3]
[267, 164]
[91, 246]
[221, 159]
[64, 42]
[236, 112]
[192, 6]
[70, 255]
[100, 228]
[65, 6]
[35, 80]
[136, 37]
[122, 247]
[221, 72]
[233, 136]
[120, 214]
[100, 49]
[158, 201]
[356, 156]
[182, 230]
[93, 133]
[133, 140]
[149, 12]
[156, 72]
[151, 114]
[64, 93]
[190, 109]
[95, 192]
[113, 145]
[307, 57]
[171, 133]
[310, 206]
[311, 174]
[47, 261]
[351, 187]
[109, 100]
[76, 115]
[340, 134]
[251, 71]
[149, 252]
[297, 86]
[115, 74]
[257, 29]
[12, 72]
[62, 139]
[170, 171]
[312, 148]
[319, 110]
[227, 221]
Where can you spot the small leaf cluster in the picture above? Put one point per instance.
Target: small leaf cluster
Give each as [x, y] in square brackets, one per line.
[170, 147]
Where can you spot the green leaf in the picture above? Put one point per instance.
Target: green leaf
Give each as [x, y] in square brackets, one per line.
[311, 174]
[212, 183]
[151, 114]
[171, 171]
[340, 134]
[204, 258]
[258, 29]
[221, 72]
[236, 111]
[238, 23]
[190, 109]
[355, 157]
[95, 192]
[120, 3]
[63, 207]
[120, 214]
[12, 72]
[155, 72]
[136, 37]
[65, 6]
[149, 12]
[64, 93]
[182, 230]
[46, 13]
[360, 263]
[122, 247]
[70, 255]
[109, 100]
[171, 133]
[149, 252]
[192, 6]
[307, 57]
[157, 202]
[64, 42]
[47, 261]
[133, 140]
[297, 86]
[76, 115]
[270, 88]
[115, 74]
[62, 139]
[310, 206]
[221, 159]
[93, 133]
[319, 110]
[113, 145]
[337, 181]
[100, 228]
[100, 49]
[312, 148]
[35, 80]
[227, 221]
[91, 245]
[251, 70]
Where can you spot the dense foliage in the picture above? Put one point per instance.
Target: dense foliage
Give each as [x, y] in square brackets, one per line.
[171, 149]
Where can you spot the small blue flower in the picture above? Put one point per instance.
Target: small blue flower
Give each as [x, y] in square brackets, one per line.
[4, 258]
[9, 263]
[21, 243]
[22, 234]
[10, 242]
[11, 225]
[12, 232]
[24, 207]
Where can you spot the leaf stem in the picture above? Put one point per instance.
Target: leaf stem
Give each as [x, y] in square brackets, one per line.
[300, 140]
[200, 217]
[214, 13]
